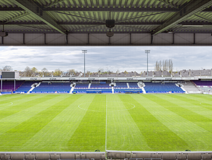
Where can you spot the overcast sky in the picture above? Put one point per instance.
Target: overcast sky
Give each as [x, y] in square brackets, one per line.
[112, 58]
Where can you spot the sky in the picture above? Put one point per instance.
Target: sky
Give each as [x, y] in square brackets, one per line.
[106, 58]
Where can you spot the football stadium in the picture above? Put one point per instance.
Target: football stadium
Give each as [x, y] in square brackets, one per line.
[152, 115]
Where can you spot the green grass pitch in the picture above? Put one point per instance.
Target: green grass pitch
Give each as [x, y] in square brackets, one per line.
[89, 122]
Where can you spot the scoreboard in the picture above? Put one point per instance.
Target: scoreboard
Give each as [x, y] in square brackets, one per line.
[10, 74]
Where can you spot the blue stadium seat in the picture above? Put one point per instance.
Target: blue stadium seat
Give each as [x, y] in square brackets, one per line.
[25, 87]
[162, 88]
[53, 88]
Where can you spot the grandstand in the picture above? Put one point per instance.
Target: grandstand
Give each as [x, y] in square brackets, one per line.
[9, 85]
[190, 87]
[25, 87]
[106, 87]
[52, 87]
[181, 82]
[162, 87]
[204, 86]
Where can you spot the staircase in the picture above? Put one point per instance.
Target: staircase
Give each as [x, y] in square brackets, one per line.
[89, 85]
[181, 86]
[112, 90]
[128, 85]
[142, 87]
[33, 87]
[72, 89]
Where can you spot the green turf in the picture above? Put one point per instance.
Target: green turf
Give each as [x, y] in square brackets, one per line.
[154, 122]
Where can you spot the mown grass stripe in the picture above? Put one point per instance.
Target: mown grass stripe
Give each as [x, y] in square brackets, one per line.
[20, 134]
[8, 97]
[157, 135]
[22, 106]
[188, 131]
[10, 122]
[17, 102]
[90, 134]
[204, 96]
[188, 114]
[12, 99]
[201, 103]
[66, 123]
[122, 132]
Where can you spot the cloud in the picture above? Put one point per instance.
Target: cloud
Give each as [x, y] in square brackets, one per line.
[108, 58]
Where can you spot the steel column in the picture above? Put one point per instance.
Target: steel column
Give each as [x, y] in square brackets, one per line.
[14, 84]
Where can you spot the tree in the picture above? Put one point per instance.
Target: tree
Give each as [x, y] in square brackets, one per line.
[45, 72]
[125, 72]
[170, 66]
[100, 71]
[57, 72]
[40, 74]
[165, 65]
[34, 71]
[71, 72]
[88, 73]
[117, 72]
[157, 66]
[28, 72]
[7, 68]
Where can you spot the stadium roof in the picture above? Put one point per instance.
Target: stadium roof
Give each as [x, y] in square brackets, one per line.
[83, 22]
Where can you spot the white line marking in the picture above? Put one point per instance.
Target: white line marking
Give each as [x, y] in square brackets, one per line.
[106, 116]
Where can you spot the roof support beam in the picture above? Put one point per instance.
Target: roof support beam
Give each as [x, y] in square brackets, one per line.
[35, 10]
[191, 8]
[102, 9]
[17, 17]
[98, 23]
[116, 9]
[81, 23]
[53, 3]
[168, 3]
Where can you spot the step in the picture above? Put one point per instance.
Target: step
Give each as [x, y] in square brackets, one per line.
[142, 88]
[128, 85]
[112, 90]
[89, 85]
[72, 89]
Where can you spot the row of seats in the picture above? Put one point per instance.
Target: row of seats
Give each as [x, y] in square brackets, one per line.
[25, 87]
[162, 88]
[121, 87]
[81, 85]
[9, 85]
[203, 83]
[53, 87]
[100, 85]
[133, 85]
